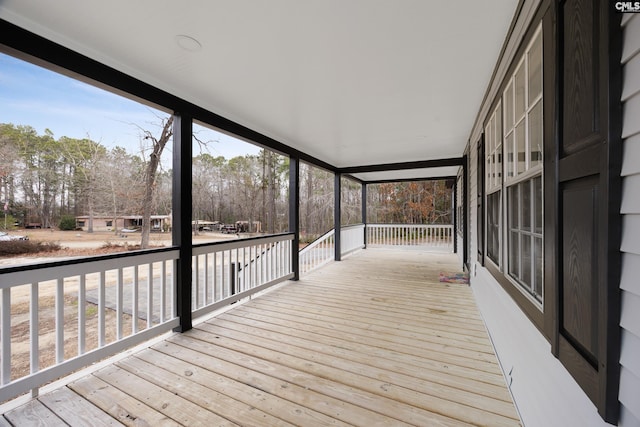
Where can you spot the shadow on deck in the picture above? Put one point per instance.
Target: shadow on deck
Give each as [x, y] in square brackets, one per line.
[374, 339]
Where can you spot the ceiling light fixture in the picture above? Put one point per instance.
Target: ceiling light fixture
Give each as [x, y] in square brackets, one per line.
[188, 43]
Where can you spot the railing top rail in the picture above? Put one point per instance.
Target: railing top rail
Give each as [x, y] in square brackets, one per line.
[83, 259]
[342, 227]
[240, 243]
[32, 273]
[317, 241]
[409, 225]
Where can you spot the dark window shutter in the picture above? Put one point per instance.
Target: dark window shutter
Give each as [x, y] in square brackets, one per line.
[585, 203]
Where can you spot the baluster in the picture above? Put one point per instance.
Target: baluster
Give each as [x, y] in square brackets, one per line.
[236, 285]
[82, 320]
[278, 270]
[119, 299]
[196, 283]
[34, 326]
[149, 295]
[101, 308]
[135, 300]
[222, 269]
[207, 287]
[216, 290]
[5, 363]
[245, 285]
[163, 291]
[59, 307]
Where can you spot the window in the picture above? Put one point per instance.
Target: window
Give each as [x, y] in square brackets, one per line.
[522, 99]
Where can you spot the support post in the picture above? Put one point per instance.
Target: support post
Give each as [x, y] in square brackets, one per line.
[181, 217]
[294, 214]
[455, 216]
[364, 212]
[337, 215]
[465, 209]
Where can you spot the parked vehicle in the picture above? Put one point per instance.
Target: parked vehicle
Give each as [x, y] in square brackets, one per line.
[229, 229]
[5, 237]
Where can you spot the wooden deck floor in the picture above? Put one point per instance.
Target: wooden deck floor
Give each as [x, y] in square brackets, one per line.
[373, 340]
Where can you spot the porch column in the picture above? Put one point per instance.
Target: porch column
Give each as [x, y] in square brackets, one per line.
[466, 211]
[181, 219]
[294, 214]
[364, 212]
[337, 214]
[455, 215]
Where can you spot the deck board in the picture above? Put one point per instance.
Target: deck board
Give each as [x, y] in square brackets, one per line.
[75, 410]
[33, 413]
[373, 340]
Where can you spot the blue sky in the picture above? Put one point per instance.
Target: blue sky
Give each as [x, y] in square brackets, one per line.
[36, 97]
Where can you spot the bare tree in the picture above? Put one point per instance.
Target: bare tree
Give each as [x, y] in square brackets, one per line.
[151, 172]
[84, 157]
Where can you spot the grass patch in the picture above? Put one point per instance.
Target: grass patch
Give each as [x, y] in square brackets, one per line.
[91, 310]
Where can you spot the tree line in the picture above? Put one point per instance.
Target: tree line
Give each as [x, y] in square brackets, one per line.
[44, 180]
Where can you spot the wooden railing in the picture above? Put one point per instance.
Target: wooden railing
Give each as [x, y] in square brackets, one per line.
[426, 235]
[322, 250]
[317, 253]
[227, 272]
[351, 238]
[62, 316]
[78, 312]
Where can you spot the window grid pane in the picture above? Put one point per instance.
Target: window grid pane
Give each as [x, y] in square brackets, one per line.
[508, 107]
[521, 146]
[526, 205]
[493, 227]
[535, 135]
[525, 261]
[520, 99]
[514, 254]
[537, 199]
[525, 242]
[534, 60]
[538, 268]
[493, 144]
[509, 153]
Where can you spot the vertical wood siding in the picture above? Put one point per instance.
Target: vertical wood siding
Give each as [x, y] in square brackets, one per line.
[630, 285]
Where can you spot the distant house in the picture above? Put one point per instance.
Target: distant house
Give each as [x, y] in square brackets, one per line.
[159, 223]
[203, 225]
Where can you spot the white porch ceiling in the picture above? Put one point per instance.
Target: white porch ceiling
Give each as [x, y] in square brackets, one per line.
[350, 82]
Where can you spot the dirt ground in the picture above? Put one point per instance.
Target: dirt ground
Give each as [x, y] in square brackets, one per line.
[82, 239]
[81, 243]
